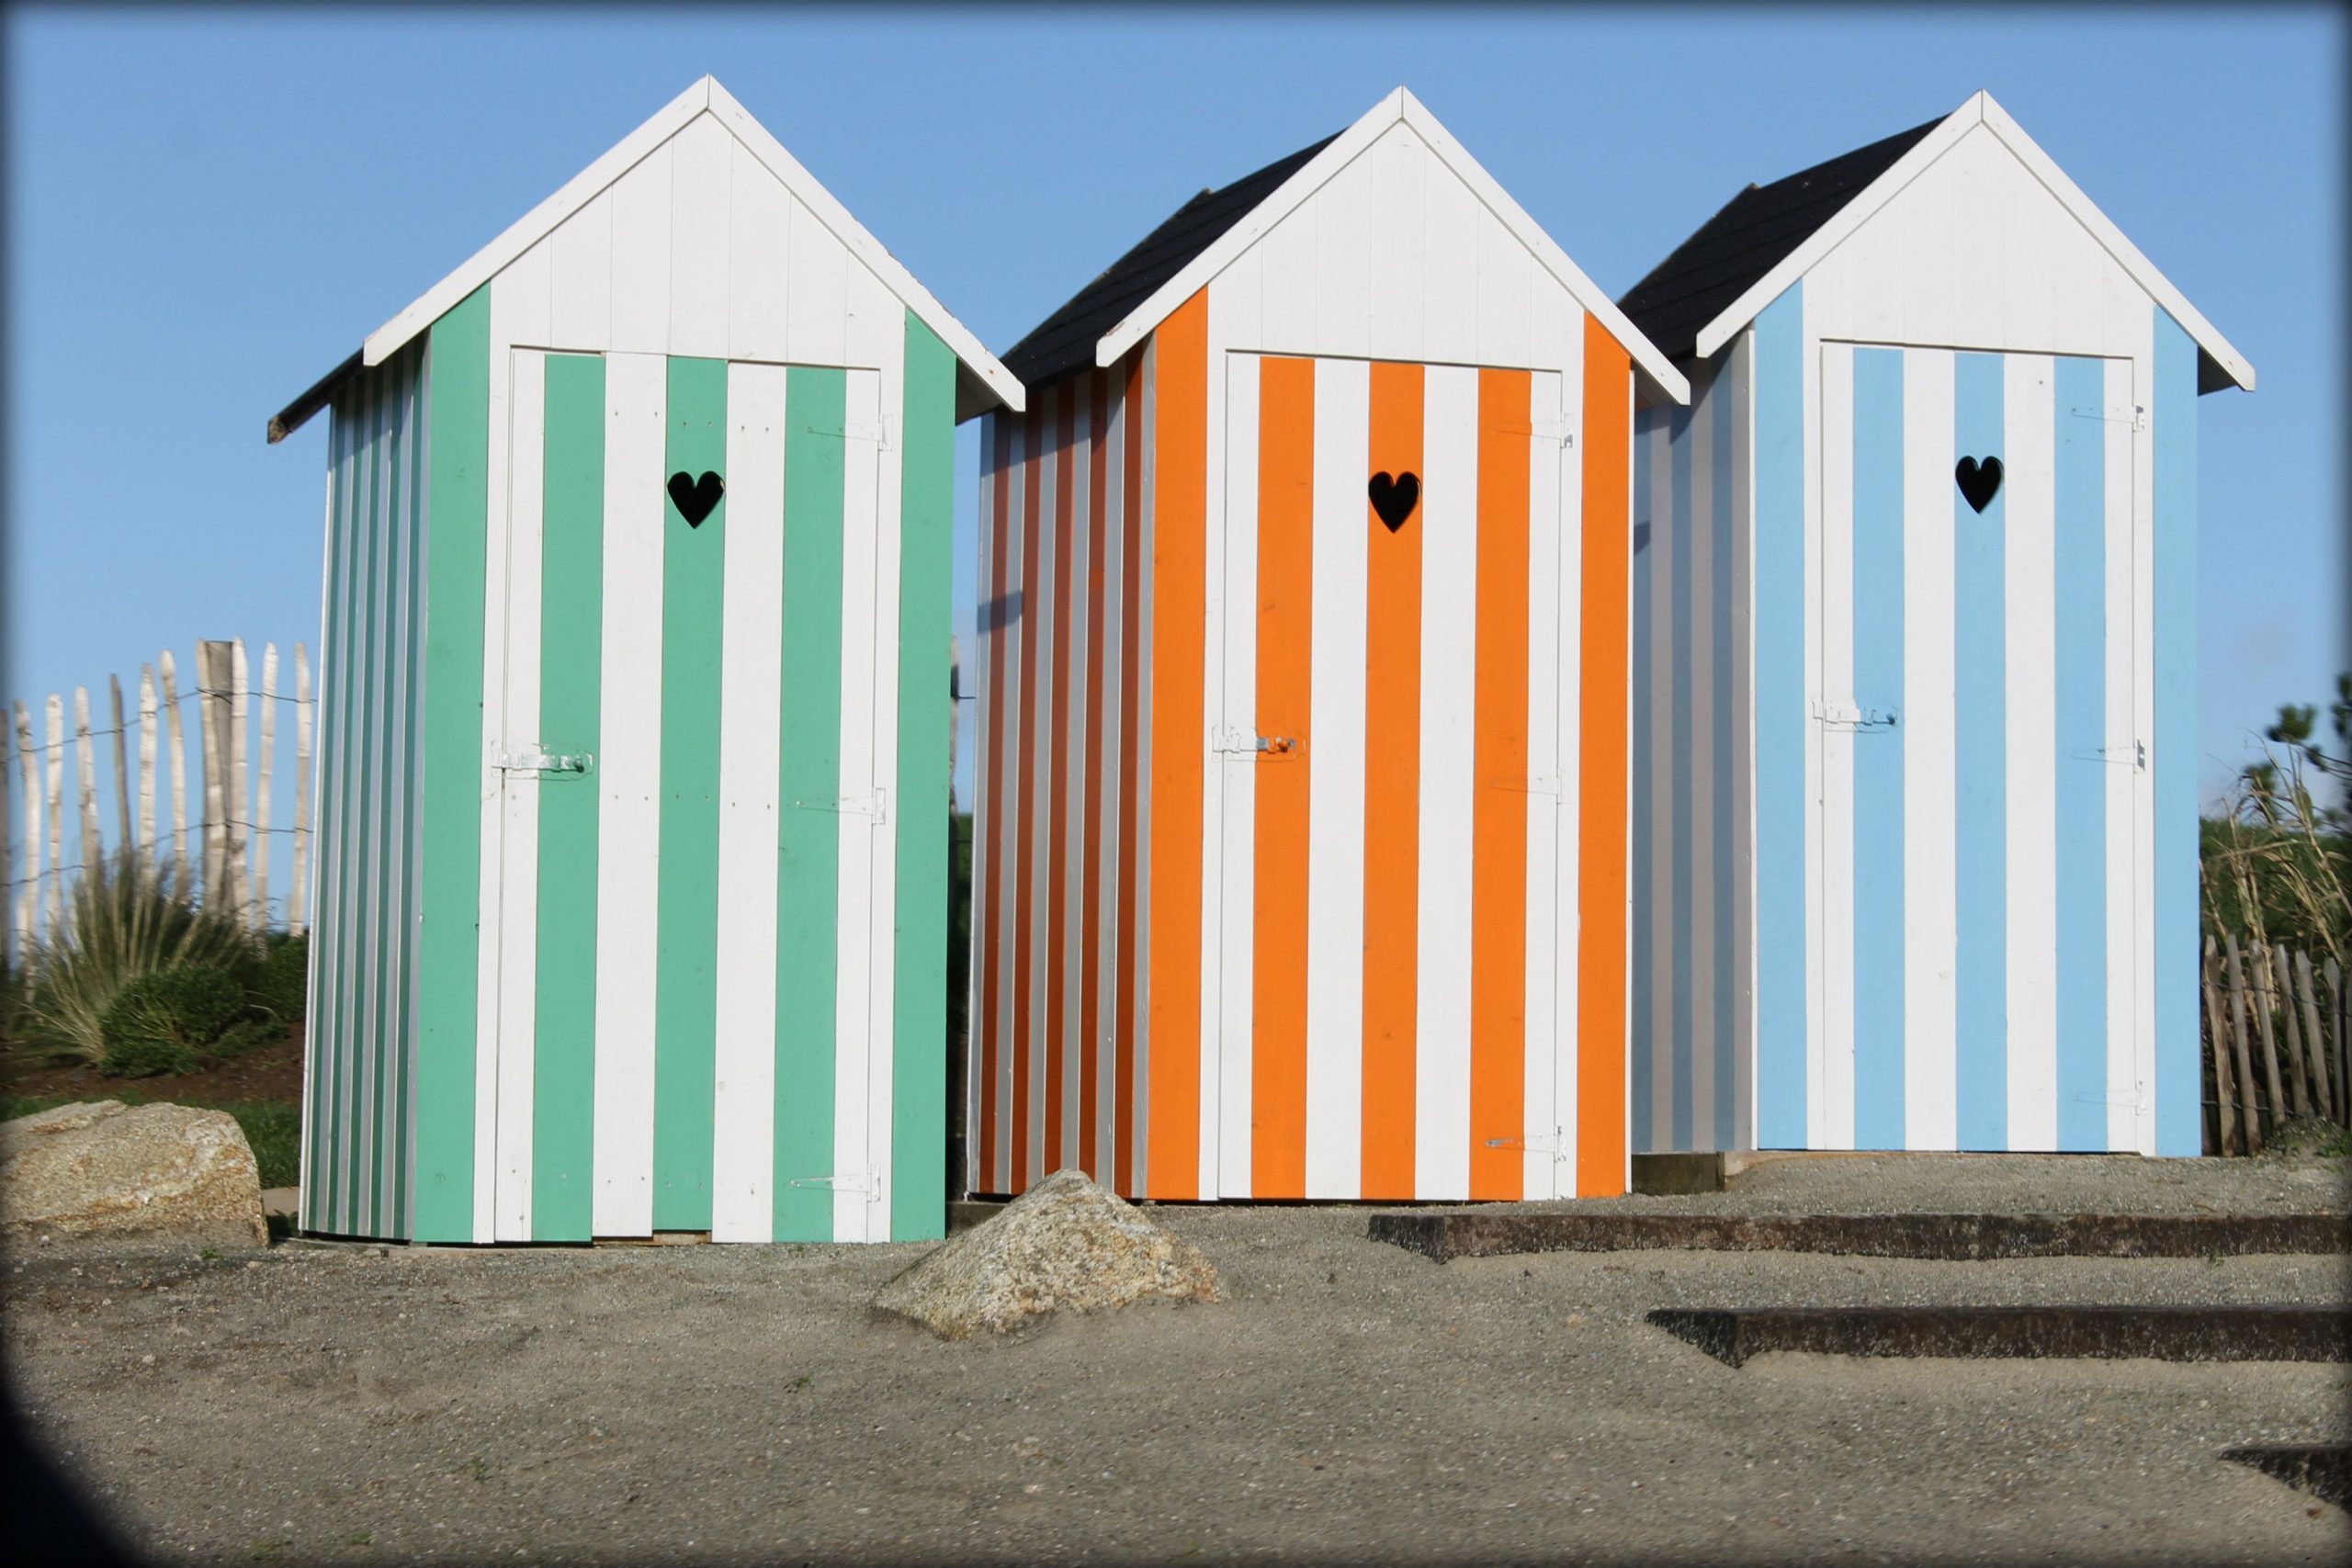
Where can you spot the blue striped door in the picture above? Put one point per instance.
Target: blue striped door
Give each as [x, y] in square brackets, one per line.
[1972, 888]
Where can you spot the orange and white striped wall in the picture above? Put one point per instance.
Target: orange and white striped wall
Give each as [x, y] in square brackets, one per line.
[1301, 832]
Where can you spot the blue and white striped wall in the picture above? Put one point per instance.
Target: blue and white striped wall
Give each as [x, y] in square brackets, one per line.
[1913, 821]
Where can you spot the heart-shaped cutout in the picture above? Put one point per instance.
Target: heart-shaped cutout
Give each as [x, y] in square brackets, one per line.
[1979, 482]
[1393, 499]
[696, 499]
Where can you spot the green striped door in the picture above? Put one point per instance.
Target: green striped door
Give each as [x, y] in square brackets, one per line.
[686, 881]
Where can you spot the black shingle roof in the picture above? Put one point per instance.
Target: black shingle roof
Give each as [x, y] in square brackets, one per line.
[1753, 234]
[1063, 343]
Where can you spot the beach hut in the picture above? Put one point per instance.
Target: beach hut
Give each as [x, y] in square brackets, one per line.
[633, 757]
[1302, 678]
[1915, 628]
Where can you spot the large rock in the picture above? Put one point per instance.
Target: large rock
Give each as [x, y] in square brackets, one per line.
[1064, 1245]
[101, 1169]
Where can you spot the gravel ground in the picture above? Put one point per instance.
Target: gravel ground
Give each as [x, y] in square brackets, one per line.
[1349, 1402]
[2005, 1184]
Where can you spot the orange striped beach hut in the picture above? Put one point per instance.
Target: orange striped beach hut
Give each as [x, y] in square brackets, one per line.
[1300, 847]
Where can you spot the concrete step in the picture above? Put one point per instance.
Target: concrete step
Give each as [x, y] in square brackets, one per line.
[2160, 1333]
[1496, 1233]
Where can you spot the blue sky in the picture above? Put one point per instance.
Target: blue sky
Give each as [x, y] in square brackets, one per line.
[208, 209]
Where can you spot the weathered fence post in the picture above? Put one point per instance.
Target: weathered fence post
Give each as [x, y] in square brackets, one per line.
[85, 779]
[165, 668]
[298, 898]
[2238, 1043]
[261, 791]
[28, 887]
[122, 768]
[147, 757]
[2277, 959]
[56, 759]
[212, 677]
[2224, 1090]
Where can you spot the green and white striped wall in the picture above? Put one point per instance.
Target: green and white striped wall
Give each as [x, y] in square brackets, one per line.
[634, 844]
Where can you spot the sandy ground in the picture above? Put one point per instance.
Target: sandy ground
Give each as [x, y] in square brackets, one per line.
[1349, 1402]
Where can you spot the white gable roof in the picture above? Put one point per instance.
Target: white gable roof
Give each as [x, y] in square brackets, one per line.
[1979, 110]
[1652, 367]
[984, 380]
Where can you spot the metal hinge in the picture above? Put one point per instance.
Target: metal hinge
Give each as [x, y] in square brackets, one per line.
[867, 1181]
[543, 763]
[877, 805]
[1543, 429]
[2137, 418]
[1548, 784]
[1846, 715]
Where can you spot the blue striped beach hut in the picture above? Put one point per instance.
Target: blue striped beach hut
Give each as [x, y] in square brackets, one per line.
[1914, 846]
[633, 765]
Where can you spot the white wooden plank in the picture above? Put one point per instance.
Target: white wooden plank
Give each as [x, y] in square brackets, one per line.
[889, 327]
[1823, 299]
[1114, 782]
[1228, 704]
[85, 770]
[1549, 537]
[1395, 166]
[1041, 621]
[516, 934]
[2030, 739]
[1448, 521]
[1072, 785]
[700, 177]
[854, 956]
[640, 293]
[816, 309]
[1344, 247]
[529, 287]
[1290, 285]
[2123, 1077]
[1835, 960]
[580, 280]
[2143, 727]
[1557, 333]
[1453, 227]
[1930, 866]
[1236, 934]
[1336, 784]
[750, 750]
[1706, 625]
[168, 673]
[1503, 294]
[759, 221]
[628, 794]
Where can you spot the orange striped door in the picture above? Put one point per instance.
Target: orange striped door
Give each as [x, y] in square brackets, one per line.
[1381, 865]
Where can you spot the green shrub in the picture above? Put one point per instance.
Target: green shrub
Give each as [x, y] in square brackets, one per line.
[124, 919]
[174, 1020]
[281, 981]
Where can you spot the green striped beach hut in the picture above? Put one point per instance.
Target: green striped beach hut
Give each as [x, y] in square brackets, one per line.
[633, 766]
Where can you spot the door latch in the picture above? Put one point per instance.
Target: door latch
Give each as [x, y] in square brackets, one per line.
[877, 805]
[1243, 742]
[544, 762]
[1846, 715]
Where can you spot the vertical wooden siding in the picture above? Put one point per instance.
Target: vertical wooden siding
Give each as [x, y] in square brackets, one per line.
[360, 1052]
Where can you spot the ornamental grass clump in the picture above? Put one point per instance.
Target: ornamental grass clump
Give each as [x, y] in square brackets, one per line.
[125, 918]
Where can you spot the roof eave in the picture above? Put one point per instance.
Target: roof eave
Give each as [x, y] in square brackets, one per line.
[1655, 377]
[2220, 364]
[992, 382]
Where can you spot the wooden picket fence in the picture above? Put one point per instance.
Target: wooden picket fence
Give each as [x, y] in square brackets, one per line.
[215, 844]
[2275, 1028]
